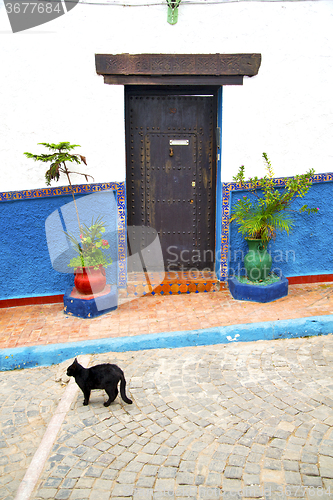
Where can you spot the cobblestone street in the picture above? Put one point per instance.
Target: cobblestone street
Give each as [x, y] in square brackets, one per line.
[242, 420]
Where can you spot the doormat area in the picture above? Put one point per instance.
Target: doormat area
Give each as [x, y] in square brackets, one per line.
[172, 283]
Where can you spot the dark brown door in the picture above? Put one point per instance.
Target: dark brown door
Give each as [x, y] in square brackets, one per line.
[170, 137]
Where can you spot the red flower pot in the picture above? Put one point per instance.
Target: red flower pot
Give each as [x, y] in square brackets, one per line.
[89, 280]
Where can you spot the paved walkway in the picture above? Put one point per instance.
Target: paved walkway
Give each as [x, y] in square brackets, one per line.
[47, 324]
[235, 421]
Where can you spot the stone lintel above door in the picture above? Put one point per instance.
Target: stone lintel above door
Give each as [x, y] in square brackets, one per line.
[177, 69]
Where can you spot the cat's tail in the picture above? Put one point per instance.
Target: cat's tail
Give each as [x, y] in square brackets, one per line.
[122, 391]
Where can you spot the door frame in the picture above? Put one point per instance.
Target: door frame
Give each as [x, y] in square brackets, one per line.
[183, 69]
[219, 238]
[216, 91]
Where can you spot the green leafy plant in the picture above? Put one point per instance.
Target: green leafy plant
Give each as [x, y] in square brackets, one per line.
[270, 211]
[58, 157]
[60, 153]
[91, 245]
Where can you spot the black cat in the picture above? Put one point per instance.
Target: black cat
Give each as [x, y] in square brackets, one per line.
[104, 376]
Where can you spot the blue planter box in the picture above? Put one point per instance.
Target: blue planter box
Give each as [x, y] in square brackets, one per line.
[258, 293]
[90, 307]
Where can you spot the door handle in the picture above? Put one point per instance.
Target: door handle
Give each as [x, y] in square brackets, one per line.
[171, 152]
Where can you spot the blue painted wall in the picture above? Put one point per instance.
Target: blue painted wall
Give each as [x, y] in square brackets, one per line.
[26, 269]
[308, 250]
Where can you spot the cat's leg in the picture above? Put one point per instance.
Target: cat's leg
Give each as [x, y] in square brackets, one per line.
[112, 393]
[86, 394]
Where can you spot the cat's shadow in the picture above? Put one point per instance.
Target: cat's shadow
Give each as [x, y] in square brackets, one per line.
[97, 401]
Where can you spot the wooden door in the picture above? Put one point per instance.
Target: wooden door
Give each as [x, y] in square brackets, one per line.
[171, 165]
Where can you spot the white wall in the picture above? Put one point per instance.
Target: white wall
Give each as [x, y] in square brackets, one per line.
[49, 89]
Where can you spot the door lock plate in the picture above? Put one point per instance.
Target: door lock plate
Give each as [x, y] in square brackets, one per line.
[179, 142]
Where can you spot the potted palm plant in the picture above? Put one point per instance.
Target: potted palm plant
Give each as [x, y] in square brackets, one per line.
[260, 216]
[89, 265]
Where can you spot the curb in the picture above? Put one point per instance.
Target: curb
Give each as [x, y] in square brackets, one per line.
[38, 461]
[45, 355]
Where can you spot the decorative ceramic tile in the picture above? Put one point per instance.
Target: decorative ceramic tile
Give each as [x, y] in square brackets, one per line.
[173, 283]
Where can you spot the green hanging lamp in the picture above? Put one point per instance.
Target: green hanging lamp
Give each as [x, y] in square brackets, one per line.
[173, 11]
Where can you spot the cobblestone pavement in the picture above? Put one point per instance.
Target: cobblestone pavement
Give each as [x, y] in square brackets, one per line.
[235, 421]
[28, 399]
